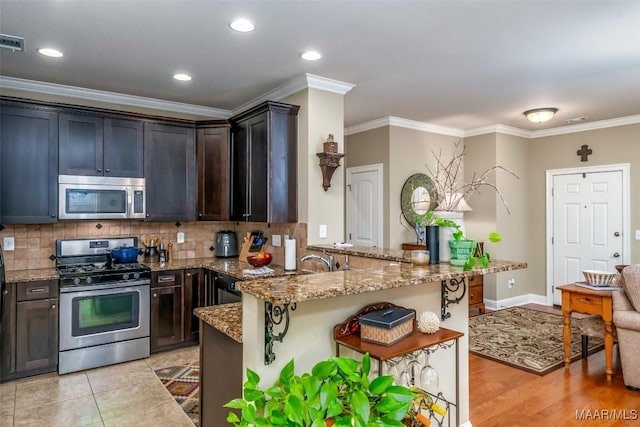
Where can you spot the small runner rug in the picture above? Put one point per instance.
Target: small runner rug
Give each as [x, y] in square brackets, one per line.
[184, 385]
[526, 339]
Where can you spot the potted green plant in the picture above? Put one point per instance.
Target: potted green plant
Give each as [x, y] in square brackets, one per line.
[463, 249]
[337, 388]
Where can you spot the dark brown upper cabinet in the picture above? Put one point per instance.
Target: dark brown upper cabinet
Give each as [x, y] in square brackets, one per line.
[213, 170]
[264, 163]
[28, 165]
[170, 172]
[100, 146]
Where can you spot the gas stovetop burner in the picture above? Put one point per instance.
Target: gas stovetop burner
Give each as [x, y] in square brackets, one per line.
[100, 268]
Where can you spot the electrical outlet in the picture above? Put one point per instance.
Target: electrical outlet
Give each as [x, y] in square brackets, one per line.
[511, 282]
[9, 243]
[323, 231]
[180, 237]
[275, 240]
[637, 234]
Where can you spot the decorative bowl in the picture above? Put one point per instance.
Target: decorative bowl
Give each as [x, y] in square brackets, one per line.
[420, 257]
[598, 278]
[260, 259]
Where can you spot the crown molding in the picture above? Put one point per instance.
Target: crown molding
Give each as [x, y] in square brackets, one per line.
[110, 97]
[583, 127]
[305, 81]
[404, 123]
[502, 129]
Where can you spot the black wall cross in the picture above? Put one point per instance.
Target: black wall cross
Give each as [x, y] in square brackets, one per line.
[584, 153]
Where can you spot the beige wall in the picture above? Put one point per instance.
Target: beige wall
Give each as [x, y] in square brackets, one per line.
[610, 146]
[322, 114]
[410, 152]
[368, 148]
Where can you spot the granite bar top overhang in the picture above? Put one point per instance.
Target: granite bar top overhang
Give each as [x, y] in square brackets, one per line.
[226, 318]
[397, 255]
[292, 289]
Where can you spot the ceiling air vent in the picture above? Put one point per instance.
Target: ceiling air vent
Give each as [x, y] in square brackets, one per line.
[11, 42]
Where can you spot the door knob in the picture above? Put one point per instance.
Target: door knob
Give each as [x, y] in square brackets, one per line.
[617, 234]
[616, 255]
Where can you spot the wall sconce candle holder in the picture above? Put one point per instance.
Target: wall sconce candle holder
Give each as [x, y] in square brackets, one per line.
[329, 162]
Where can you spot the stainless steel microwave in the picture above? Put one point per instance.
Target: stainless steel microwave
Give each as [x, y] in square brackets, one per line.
[97, 197]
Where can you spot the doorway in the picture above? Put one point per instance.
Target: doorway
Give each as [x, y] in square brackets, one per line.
[364, 205]
[588, 225]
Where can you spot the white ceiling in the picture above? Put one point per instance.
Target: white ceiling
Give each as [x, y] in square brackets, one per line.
[459, 64]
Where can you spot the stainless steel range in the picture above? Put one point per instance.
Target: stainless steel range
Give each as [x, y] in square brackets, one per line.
[104, 306]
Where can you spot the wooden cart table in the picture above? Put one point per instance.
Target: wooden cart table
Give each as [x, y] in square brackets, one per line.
[584, 300]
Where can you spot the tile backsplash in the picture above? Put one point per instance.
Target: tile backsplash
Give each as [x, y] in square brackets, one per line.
[35, 243]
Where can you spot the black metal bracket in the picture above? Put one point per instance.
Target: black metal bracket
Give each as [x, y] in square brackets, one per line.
[274, 315]
[453, 286]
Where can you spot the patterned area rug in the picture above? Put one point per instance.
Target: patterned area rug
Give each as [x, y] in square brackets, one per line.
[184, 385]
[526, 339]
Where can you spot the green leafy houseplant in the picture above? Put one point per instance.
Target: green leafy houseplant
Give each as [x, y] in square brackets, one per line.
[337, 388]
[484, 258]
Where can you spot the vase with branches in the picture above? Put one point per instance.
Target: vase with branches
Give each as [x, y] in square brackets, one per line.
[453, 190]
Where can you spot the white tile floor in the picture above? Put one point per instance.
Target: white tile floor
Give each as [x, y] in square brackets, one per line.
[127, 394]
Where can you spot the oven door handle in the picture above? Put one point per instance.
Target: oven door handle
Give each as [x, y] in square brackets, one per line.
[106, 286]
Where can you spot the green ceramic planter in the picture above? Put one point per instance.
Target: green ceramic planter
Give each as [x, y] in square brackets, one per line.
[461, 250]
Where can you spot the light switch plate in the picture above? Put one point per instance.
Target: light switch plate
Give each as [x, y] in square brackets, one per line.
[637, 234]
[275, 240]
[323, 231]
[9, 243]
[180, 237]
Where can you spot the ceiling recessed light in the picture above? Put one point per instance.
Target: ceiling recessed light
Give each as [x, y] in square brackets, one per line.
[53, 53]
[182, 77]
[311, 55]
[242, 25]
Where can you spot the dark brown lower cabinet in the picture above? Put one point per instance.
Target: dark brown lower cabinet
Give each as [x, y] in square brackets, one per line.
[220, 375]
[30, 330]
[194, 297]
[166, 316]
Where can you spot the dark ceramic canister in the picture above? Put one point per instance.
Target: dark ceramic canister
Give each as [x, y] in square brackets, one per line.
[433, 243]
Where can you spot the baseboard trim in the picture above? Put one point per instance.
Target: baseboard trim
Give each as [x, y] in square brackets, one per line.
[518, 300]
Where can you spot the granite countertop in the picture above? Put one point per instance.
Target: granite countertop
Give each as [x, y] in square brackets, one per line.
[226, 318]
[365, 251]
[31, 275]
[290, 289]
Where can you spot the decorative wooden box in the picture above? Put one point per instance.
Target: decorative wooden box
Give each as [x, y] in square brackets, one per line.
[386, 326]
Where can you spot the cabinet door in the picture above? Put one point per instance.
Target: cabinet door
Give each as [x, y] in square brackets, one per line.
[123, 148]
[258, 178]
[169, 170]
[28, 166]
[166, 316]
[8, 333]
[213, 173]
[37, 335]
[239, 171]
[194, 297]
[81, 145]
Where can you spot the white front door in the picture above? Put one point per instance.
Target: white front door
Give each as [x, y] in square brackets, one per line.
[587, 225]
[364, 205]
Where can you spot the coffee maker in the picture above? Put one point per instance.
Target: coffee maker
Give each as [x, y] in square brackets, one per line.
[226, 244]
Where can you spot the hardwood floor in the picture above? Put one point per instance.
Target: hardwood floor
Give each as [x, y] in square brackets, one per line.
[504, 396]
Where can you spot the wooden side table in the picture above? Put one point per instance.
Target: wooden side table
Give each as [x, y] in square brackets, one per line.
[583, 300]
[413, 246]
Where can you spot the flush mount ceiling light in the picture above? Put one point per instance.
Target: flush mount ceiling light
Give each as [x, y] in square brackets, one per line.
[182, 77]
[311, 55]
[242, 25]
[540, 115]
[53, 53]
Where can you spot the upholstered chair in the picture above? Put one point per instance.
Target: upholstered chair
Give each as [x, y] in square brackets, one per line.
[626, 318]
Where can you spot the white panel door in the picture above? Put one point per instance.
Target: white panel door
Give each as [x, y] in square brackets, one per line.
[364, 205]
[587, 225]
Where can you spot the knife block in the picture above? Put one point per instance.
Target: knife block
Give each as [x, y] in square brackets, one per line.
[247, 242]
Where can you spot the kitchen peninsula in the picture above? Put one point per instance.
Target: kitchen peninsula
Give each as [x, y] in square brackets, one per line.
[310, 306]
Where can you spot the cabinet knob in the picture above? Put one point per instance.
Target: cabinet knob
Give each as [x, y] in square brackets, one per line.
[107, 170]
[155, 295]
[473, 295]
[53, 307]
[200, 215]
[53, 215]
[99, 170]
[188, 274]
[147, 215]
